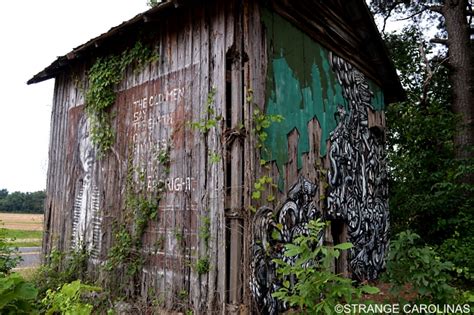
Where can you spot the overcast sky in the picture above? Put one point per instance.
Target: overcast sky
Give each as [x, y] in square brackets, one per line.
[33, 34]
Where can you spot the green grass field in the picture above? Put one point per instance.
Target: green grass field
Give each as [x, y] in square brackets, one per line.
[23, 238]
[25, 230]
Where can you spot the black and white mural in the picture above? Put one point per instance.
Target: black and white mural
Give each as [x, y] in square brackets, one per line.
[87, 218]
[358, 192]
[272, 230]
[357, 195]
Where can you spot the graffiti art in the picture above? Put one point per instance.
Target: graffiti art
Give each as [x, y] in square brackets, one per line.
[357, 176]
[87, 218]
[272, 230]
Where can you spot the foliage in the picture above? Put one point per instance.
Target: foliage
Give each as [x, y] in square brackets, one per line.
[67, 300]
[61, 268]
[262, 121]
[314, 288]
[262, 184]
[204, 229]
[202, 265]
[152, 3]
[29, 202]
[120, 253]
[104, 75]
[427, 193]
[17, 296]
[210, 121]
[9, 257]
[420, 266]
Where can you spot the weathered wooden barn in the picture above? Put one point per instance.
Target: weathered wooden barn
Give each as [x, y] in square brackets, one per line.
[252, 118]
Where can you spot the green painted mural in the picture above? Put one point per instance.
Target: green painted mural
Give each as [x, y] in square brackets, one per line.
[306, 81]
[300, 86]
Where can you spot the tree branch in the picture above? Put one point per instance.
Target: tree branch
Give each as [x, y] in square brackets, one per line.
[429, 76]
[436, 8]
[441, 41]
[412, 15]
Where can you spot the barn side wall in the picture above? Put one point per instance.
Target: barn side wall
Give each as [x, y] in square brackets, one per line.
[218, 63]
[325, 158]
[160, 155]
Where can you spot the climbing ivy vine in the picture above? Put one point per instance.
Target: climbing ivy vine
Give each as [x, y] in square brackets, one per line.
[141, 207]
[103, 76]
[261, 122]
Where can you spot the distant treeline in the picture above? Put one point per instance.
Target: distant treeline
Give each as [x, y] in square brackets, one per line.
[29, 202]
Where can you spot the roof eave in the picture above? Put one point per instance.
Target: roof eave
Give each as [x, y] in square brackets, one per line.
[56, 66]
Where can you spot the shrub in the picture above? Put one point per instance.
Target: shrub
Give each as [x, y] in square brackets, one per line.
[315, 288]
[8, 255]
[68, 299]
[420, 266]
[17, 296]
[60, 269]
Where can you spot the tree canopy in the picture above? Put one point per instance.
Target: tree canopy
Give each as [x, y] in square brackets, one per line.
[24, 202]
[430, 134]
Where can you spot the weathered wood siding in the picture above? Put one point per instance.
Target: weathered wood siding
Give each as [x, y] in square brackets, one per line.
[154, 111]
[249, 56]
[326, 158]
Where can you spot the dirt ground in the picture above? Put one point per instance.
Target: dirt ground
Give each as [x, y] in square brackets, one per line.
[22, 221]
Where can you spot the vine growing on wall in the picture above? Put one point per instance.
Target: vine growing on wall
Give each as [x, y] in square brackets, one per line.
[261, 123]
[104, 75]
[142, 208]
[210, 120]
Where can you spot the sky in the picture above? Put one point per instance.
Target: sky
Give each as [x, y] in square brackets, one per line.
[34, 34]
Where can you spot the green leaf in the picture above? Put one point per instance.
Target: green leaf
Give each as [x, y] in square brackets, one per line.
[292, 250]
[343, 246]
[370, 289]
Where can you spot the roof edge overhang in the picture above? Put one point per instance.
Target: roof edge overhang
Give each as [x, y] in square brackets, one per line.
[77, 53]
[382, 69]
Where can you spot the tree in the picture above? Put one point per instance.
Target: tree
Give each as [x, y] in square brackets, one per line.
[454, 19]
[30, 202]
[429, 193]
[3, 193]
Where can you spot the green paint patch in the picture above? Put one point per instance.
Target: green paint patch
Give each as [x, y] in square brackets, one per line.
[300, 86]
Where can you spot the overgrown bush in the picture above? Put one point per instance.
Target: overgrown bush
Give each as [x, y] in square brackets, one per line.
[17, 296]
[69, 299]
[9, 257]
[314, 288]
[60, 269]
[410, 262]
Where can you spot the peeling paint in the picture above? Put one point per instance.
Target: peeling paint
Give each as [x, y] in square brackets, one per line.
[300, 86]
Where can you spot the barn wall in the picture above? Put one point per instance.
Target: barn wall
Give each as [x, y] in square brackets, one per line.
[326, 157]
[249, 58]
[91, 198]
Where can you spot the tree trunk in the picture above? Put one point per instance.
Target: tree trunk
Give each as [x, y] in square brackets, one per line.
[461, 77]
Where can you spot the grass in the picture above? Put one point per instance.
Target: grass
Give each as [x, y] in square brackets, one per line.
[22, 238]
[27, 273]
[22, 234]
[24, 229]
[29, 243]
[22, 221]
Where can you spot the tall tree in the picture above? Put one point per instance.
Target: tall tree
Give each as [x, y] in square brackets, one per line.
[454, 21]
[431, 175]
